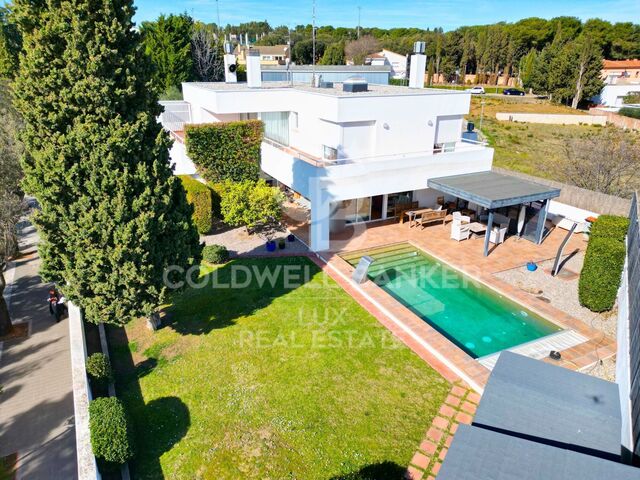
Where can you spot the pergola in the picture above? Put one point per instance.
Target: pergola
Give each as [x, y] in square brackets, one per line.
[493, 190]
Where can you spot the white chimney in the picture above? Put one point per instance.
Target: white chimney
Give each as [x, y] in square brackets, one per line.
[230, 65]
[254, 72]
[418, 66]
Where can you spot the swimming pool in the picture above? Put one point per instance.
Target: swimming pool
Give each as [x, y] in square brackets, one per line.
[476, 318]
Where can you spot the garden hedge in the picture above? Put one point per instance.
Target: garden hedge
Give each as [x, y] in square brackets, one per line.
[111, 435]
[603, 263]
[630, 112]
[226, 150]
[99, 369]
[215, 254]
[200, 196]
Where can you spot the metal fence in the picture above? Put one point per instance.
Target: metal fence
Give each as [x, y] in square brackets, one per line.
[633, 296]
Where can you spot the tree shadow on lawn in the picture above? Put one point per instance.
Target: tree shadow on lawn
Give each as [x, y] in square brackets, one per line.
[159, 424]
[376, 471]
[236, 289]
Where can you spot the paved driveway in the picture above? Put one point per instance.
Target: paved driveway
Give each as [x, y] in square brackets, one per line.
[36, 406]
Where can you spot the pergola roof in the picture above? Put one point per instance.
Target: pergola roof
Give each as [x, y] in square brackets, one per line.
[493, 190]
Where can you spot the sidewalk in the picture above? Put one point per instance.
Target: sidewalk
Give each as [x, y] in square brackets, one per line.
[36, 407]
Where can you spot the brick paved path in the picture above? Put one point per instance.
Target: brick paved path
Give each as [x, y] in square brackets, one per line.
[36, 407]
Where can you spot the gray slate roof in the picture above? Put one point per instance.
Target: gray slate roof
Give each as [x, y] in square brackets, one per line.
[479, 454]
[552, 405]
[492, 190]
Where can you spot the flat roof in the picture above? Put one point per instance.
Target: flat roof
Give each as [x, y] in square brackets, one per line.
[492, 190]
[480, 454]
[552, 405]
[374, 90]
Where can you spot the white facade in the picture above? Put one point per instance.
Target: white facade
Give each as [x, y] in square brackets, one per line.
[347, 150]
[397, 62]
[612, 95]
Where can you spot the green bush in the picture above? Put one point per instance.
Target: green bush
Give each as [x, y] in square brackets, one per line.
[630, 112]
[99, 369]
[603, 263]
[251, 204]
[111, 435]
[215, 254]
[200, 196]
[226, 150]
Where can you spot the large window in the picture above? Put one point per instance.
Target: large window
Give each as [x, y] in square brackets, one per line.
[276, 126]
[354, 210]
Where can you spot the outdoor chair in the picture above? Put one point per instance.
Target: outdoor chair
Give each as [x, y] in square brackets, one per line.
[498, 233]
[460, 227]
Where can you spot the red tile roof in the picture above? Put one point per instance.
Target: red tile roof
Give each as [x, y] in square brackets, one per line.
[618, 64]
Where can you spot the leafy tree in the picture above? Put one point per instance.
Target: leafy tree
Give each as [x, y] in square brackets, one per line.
[255, 205]
[527, 66]
[113, 217]
[333, 54]
[10, 44]
[167, 41]
[357, 50]
[302, 52]
[586, 57]
[11, 203]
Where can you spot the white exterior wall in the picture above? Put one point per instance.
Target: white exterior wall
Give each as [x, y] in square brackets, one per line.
[386, 142]
[181, 163]
[612, 95]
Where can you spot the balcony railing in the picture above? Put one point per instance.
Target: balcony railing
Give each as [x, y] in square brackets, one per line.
[463, 145]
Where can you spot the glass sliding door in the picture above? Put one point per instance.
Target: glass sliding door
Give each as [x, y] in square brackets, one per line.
[354, 210]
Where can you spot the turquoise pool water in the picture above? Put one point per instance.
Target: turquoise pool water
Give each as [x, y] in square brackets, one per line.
[474, 317]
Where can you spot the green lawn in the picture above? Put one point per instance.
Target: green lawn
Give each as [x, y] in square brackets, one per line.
[536, 149]
[278, 382]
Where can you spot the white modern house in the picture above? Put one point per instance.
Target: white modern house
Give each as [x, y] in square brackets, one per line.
[396, 61]
[353, 150]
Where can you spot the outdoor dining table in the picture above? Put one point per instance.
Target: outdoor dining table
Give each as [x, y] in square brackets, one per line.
[413, 214]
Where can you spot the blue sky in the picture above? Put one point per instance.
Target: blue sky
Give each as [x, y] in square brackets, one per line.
[390, 13]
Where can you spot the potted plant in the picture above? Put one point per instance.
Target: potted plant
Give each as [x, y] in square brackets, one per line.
[267, 230]
[281, 244]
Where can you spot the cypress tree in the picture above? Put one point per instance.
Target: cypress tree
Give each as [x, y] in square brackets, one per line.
[113, 217]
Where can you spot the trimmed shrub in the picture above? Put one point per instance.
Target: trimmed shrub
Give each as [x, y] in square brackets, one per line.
[111, 435]
[215, 254]
[226, 150]
[610, 226]
[99, 369]
[251, 204]
[201, 197]
[603, 263]
[630, 112]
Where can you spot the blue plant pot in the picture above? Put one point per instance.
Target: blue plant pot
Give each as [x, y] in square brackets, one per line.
[271, 246]
[532, 267]
[291, 237]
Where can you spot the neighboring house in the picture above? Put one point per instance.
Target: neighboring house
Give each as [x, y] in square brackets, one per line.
[329, 73]
[621, 77]
[269, 55]
[397, 62]
[353, 155]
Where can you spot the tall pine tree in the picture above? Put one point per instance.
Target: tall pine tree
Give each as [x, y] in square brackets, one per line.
[113, 216]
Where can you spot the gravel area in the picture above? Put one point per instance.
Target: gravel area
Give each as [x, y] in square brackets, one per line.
[562, 293]
[240, 243]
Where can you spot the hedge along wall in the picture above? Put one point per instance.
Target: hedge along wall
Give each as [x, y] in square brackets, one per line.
[603, 263]
[201, 197]
[226, 150]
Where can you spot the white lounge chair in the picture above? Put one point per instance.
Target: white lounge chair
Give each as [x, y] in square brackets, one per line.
[498, 233]
[460, 226]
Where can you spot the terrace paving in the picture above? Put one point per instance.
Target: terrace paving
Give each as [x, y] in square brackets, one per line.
[466, 256]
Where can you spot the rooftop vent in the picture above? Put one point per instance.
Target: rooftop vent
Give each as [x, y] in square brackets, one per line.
[355, 85]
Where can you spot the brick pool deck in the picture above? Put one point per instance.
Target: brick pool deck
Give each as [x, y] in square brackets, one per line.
[449, 360]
